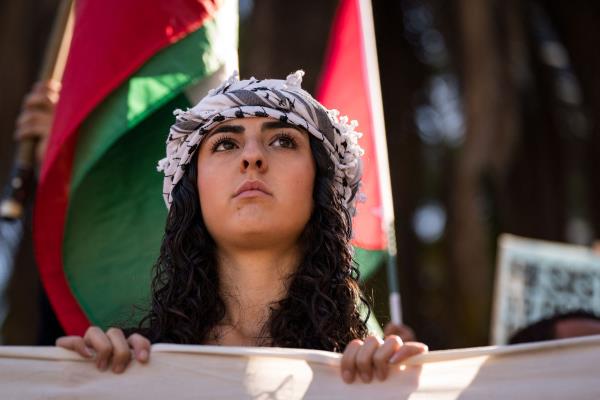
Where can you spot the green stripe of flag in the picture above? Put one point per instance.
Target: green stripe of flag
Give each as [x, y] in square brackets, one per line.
[368, 261]
[116, 213]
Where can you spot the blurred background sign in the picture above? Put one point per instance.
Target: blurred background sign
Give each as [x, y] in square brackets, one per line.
[537, 279]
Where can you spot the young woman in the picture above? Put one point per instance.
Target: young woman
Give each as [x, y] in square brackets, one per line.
[261, 182]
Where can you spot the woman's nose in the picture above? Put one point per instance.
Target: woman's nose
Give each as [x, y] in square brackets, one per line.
[253, 157]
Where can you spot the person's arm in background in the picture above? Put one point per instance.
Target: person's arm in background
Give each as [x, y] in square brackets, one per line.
[37, 115]
[404, 331]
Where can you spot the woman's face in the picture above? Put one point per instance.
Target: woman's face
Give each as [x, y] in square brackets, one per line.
[255, 182]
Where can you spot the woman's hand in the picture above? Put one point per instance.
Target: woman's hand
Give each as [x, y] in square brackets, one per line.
[37, 115]
[110, 348]
[373, 357]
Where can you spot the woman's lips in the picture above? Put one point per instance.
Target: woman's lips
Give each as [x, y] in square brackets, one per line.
[251, 193]
[251, 189]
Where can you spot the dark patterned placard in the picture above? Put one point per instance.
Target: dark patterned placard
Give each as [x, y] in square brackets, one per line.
[537, 279]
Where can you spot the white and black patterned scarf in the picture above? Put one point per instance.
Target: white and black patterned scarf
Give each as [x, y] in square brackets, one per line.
[283, 100]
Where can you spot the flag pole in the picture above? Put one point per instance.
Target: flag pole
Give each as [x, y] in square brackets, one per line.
[385, 185]
[18, 189]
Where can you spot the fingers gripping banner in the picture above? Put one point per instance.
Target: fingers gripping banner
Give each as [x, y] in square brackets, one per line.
[550, 370]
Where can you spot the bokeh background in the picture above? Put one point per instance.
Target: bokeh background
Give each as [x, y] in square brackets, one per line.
[491, 109]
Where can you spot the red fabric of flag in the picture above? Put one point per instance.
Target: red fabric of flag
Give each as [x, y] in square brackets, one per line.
[344, 86]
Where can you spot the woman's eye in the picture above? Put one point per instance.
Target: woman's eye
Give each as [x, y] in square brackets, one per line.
[285, 141]
[223, 145]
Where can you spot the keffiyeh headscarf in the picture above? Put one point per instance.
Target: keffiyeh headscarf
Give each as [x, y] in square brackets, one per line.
[284, 100]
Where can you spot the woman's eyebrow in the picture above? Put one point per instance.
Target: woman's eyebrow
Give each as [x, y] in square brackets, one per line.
[278, 125]
[228, 128]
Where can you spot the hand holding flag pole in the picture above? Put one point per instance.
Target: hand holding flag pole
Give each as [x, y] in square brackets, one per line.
[17, 192]
[20, 184]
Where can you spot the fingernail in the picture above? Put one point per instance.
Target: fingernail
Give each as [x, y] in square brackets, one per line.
[365, 377]
[102, 365]
[347, 375]
[117, 369]
[88, 352]
[395, 358]
[143, 355]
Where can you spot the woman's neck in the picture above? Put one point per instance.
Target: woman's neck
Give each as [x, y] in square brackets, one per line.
[251, 281]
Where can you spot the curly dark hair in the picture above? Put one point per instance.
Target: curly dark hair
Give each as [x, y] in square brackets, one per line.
[321, 309]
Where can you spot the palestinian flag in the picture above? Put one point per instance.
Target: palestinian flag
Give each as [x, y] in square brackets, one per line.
[99, 218]
[350, 83]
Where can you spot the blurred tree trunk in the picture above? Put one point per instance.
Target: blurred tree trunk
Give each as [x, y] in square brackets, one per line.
[578, 25]
[481, 90]
[283, 36]
[492, 45]
[531, 194]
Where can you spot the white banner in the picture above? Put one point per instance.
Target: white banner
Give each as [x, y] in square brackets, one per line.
[562, 369]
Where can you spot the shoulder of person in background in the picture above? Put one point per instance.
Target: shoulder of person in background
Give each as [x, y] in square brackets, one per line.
[559, 326]
[596, 247]
[37, 115]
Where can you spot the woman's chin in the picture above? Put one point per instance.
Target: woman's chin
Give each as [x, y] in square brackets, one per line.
[254, 212]
[254, 226]
[258, 230]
